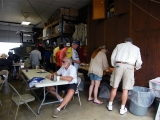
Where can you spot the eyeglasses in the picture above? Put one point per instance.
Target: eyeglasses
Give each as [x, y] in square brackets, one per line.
[64, 61]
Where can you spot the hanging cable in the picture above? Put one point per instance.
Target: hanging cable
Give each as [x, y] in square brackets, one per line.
[24, 16]
[155, 1]
[145, 11]
[36, 11]
[23, 11]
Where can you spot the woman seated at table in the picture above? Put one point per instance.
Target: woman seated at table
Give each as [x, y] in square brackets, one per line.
[98, 64]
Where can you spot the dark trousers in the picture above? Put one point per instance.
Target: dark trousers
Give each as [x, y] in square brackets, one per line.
[48, 66]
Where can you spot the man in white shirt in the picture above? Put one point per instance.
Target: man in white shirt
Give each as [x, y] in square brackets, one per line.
[68, 73]
[75, 56]
[35, 58]
[126, 58]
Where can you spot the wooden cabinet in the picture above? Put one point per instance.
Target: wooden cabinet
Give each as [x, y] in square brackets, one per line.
[152, 54]
[143, 28]
[146, 35]
[148, 42]
[139, 17]
[98, 9]
[154, 22]
[140, 75]
[121, 6]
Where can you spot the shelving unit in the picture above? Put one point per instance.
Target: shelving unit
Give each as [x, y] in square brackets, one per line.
[63, 34]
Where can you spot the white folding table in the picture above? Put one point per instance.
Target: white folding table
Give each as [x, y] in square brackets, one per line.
[33, 73]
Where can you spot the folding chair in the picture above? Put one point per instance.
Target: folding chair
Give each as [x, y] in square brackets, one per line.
[76, 93]
[5, 73]
[28, 88]
[19, 100]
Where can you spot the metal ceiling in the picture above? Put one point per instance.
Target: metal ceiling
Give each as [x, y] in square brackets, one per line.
[35, 11]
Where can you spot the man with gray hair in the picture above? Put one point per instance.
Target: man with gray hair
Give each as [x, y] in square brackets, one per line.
[68, 73]
[35, 57]
[126, 58]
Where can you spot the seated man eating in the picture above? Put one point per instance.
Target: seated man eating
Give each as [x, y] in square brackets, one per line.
[69, 73]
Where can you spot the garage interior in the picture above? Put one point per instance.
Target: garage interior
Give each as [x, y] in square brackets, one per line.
[108, 22]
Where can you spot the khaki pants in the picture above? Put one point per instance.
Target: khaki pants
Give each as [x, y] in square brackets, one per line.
[124, 72]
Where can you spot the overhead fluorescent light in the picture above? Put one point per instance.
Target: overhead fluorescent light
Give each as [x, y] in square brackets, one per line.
[25, 23]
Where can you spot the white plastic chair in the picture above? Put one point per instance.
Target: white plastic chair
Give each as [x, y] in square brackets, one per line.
[5, 81]
[27, 88]
[1, 83]
[19, 100]
[76, 92]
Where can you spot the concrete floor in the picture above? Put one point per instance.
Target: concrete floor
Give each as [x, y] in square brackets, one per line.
[88, 110]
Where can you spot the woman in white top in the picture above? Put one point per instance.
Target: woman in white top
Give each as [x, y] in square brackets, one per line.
[98, 64]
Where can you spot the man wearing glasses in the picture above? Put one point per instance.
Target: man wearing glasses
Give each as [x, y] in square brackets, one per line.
[66, 72]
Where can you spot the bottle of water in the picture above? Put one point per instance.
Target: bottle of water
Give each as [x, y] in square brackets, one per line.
[26, 69]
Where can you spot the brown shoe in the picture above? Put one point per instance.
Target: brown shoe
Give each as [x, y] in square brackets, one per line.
[55, 113]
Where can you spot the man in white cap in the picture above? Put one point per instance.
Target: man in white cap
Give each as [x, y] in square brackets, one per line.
[63, 51]
[75, 57]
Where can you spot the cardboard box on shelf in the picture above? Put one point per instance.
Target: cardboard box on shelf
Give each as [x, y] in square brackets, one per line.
[73, 12]
[65, 12]
[69, 29]
[66, 28]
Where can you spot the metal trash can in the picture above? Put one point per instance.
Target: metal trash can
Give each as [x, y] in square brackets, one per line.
[140, 99]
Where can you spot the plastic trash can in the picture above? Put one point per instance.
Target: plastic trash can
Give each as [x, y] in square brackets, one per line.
[137, 110]
[140, 99]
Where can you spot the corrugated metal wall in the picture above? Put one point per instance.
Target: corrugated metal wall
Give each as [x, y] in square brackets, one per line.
[8, 32]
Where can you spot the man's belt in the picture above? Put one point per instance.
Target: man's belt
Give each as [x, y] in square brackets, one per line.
[124, 63]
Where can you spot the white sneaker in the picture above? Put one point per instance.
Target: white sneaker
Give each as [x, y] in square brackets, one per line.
[110, 107]
[122, 111]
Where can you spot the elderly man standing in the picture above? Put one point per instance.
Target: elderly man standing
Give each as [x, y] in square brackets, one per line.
[126, 58]
[35, 58]
[75, 57]
[68, 73]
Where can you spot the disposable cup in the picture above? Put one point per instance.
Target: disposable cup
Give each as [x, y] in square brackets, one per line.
[58, 78]
[37, 67]
[55, 77]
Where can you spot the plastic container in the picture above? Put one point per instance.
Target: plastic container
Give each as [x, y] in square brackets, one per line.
[137, 110]
[140, 99]
[26, 69]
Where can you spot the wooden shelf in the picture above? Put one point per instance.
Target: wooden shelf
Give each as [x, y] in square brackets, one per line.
[59, 20]
[110, 6]
[55, 22]
[54, 36]
[44, 38]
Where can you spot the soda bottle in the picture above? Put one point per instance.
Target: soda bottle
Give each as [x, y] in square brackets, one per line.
[26, 69]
